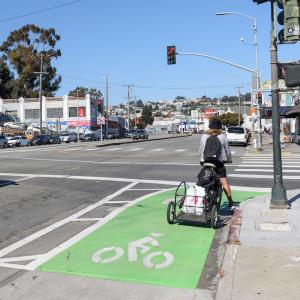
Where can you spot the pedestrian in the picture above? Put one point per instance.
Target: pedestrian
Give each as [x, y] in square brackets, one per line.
[215, 129]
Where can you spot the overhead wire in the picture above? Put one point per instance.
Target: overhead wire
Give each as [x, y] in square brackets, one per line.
[40, 11]
[154, 87]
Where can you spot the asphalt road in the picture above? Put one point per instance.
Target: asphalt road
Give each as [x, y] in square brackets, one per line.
[42, 186]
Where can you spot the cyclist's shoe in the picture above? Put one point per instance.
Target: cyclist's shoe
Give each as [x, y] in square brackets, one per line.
[233, 205]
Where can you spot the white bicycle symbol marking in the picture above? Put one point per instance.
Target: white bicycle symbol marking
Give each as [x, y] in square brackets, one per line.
[133, 248]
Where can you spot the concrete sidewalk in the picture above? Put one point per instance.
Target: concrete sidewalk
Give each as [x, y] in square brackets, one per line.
[262, 258]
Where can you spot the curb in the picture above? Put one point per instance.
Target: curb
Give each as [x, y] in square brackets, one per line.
[141, 141]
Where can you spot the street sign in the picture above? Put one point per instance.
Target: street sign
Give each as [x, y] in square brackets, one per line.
[100, 120]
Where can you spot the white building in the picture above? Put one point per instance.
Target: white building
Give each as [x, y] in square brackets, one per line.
[65, 111]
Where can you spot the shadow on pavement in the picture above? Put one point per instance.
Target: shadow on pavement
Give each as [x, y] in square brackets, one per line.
[7, 182]
[295, 198]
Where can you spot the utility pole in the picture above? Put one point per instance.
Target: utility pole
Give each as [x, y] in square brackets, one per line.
[129, 87]
[239, 96]
[41, 73]
[278, 198]
[77, 116]
[106, 119]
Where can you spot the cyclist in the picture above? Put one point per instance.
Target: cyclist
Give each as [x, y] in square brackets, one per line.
[215, 129]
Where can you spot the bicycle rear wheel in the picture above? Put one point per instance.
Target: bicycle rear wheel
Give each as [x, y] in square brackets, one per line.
[214, 217]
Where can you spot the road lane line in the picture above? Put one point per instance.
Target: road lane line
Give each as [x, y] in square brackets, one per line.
[67, 244]
[110, 149]
[180, 150]
[135, 149]
[60, 223]
[157, 150]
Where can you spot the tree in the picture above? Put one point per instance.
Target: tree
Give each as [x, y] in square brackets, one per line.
[139, 103]
[23, 49]
[6, 79]
[147, 115]
[231, 119]
[82, 91]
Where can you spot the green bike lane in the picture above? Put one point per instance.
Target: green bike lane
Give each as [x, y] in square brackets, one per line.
[138, 245]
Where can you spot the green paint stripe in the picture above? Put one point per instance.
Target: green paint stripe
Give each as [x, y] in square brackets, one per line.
[189, 245]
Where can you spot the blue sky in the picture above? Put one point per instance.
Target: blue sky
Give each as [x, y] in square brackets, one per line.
[127, 40]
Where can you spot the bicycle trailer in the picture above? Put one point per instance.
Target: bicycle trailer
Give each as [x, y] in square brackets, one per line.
[199, 202]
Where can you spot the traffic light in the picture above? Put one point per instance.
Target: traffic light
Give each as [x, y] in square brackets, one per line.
[100, 105]
[259, 98]
[290, 72]
[292, 77]
[171, 54]
[289, 17]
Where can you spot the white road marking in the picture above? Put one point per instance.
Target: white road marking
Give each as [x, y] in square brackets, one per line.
[99, 162]
[35, 264]
[144, 189]
[180, 150]
[157, 150]
[290, 161]
[270, 165]
[87, 219]
[261, 176]
[20, 258]
[135, 149]
[265, 170]
[110, 149]
[60, 223]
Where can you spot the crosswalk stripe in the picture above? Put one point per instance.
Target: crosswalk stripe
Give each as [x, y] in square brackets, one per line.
[264, 165]
[262, 176]
[265, 170]
[271, 162]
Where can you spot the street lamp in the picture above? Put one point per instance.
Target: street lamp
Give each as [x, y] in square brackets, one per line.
[253, 19]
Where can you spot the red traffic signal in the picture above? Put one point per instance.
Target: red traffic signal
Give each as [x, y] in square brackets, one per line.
[171, 55]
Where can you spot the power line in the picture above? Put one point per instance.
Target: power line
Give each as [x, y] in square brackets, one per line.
[155, 87]
[41, 11]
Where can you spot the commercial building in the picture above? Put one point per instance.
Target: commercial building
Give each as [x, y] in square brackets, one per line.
[57, 112]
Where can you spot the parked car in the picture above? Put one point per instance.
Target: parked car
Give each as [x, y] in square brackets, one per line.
[41, 139]
[140, 134]
[54, 139]
[69, 137]
[129, 134]
[12, 125]
[88, 137]
[18, 141]
[3, 141]
[237, 135]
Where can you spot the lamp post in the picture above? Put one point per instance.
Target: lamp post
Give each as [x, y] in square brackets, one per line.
[253, 19]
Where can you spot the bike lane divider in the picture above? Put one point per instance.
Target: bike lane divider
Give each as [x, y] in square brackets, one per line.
[138, 245]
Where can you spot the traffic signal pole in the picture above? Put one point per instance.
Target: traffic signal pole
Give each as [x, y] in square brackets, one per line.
[278, 198]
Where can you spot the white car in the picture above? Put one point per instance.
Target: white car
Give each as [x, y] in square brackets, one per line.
[237, 135]
[12, 125]
[18, 141]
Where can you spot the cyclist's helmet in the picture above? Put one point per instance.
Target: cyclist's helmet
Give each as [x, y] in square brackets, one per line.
[215, 123]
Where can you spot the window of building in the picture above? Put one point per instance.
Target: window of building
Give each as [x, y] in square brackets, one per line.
[73, 112]
[55, 112]
[32, 113]
[81, 111]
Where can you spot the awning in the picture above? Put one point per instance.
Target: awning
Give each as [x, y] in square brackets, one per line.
[293, 112]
